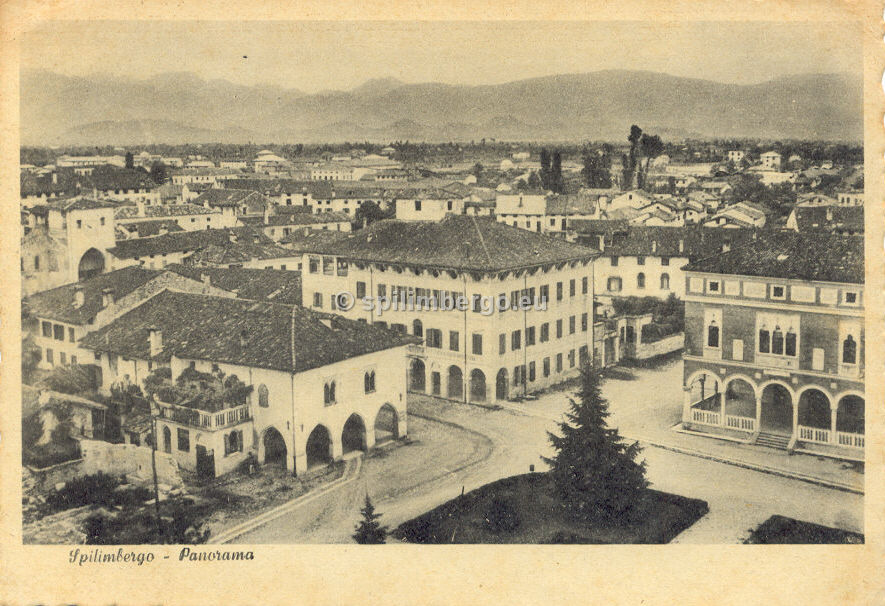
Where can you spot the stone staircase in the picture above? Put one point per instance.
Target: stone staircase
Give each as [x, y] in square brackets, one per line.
[773, 440]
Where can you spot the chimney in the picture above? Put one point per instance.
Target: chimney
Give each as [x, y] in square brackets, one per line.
[601, 242]
[726, 246]
[155, 337]
[306, 231]
[107, 297]
[243, 334]
[139, 204]
[829, 214]
[79, 297]
[54, 178]
[654, 246]
[681, 245]
[267, 214]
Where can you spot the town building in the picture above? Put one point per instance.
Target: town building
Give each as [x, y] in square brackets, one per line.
[850, 198]
[427, 204]
[774, 344]
[471, 352]
[281, 224]
[188, 217]
[843, 220]
[310, 387]
[234, 203]
[771, 160]
[736, 156]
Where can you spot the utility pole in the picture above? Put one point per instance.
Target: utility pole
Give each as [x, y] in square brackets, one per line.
[154, 409]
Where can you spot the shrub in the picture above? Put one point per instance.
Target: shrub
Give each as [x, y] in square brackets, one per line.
[94, 489]
[501, 516]
[52, 453]
[74, 379]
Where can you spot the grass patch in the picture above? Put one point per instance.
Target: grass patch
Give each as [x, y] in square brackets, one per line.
[524, 510]
[781, 530]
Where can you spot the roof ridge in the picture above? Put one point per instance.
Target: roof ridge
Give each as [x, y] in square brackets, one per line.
[481, 239]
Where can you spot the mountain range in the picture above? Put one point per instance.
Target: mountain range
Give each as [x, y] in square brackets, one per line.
[184, 108]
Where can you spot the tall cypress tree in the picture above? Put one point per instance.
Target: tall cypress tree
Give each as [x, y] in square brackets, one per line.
[369, 531]
[556, 182]
[594, 470]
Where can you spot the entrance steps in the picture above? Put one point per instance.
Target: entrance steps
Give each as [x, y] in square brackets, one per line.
[773, 440]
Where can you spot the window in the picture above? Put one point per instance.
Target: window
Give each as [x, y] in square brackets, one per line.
[47, 329]
[329, 393]
[184, 440]
[640, 260]
[74, 361]
[49, 356]
[328, 266]
[454, 337]
[849, 350]
[585, 285]
[434, 338]
[101, 221]
[665, 281]
[369, 382]
[546, 367]
[665, 261]
[614, 285]
[850, 298]
[233, 442]
[502, 343]
[713, 334]
[571, 325]
[516, 339]
[529, 336]
[382, 290]
[63, 358]
[79, 223]
[477, 344]
[713, 286]
[777, 341]
[640, 280]
[571, 358]
[559, 291]
[318, 299]
[314, 265]
[790, 343]
[263, 396]
[545, 332]
[584, 322]
[417, 204]
[571, 288]
[58, 332]
[559, 329]
[614, 261]
[778, 292]
[531, 371]
[544, 294]
[764, 340]
[559, 362]
[417, 328]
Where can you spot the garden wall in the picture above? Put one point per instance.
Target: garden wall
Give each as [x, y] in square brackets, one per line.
[128, 459]
[658, 348]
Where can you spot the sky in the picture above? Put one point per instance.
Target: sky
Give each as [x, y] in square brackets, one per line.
[314, 56]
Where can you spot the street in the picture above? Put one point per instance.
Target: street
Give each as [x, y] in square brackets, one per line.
[458, 446]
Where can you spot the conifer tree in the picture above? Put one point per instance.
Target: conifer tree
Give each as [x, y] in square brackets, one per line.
[369, 531]
[594, 470]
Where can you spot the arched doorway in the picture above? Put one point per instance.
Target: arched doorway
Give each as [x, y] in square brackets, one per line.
[319, 447]
[777, 410]
[850, 415]
[386, 424]
[274, 448]
[740, 400]
[455, 385]
[167, 439]
[477, 385]
[353, 436]
[91, 264]
[705, 393]
[502, 390]
[814, 409]
[416, 376]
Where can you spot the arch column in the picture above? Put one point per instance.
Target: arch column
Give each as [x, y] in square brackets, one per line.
[370, 439]
[401, 425]
[686, 403]
[758, 410]
[337, 446]
[834, 410]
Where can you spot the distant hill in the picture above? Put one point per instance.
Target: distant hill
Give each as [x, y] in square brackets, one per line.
[601, 105]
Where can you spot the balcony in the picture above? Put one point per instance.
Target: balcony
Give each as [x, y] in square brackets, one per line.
[204, 419]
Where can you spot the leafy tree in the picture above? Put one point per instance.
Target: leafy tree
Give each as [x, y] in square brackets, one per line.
[534, 181]
[597, 168]
[595, 472]
[369, 531]
[651, 147]
[32, 430]
[477, 170]
[158, 173]
[75, 379]
[368, 213]
[130, 161]
[30, 357]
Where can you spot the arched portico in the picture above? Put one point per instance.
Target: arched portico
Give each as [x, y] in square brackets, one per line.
[703, 398]
[502, 387]
[319, 447]
[477, 385]
[273, 448]
[455, 384]
[353, 435]
[850, 419]
[386, 424]
[777, 409]
[417, 375]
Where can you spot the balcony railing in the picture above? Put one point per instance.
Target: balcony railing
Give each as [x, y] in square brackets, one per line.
[814, 434]
[742, 423]
[706, 417]
[852, 440]
[204, 419]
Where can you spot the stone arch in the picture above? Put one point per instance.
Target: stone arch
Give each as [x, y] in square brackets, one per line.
[318, 448]
[815, 406]
[386, 423]
[274, 447]
[740, 397]
[850, 413]
[777, 408]
[477, 385]
[712, 384]
[417, 376]
[455, 383]
[502, 387]
[91, 264]
[353, 434]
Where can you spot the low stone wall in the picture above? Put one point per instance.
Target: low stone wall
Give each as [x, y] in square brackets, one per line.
[45, 479]
[128, 459]
[658, 348]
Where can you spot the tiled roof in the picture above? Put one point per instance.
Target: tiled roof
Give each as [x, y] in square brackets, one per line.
[184, 241]
[67, 182]
[112, 177]
[60, 303]
[230, 197]
[295, 219]
[248, 333]
[572, 204]
[830, 218]
[146, 229]
[130, 211]
[622, 239]
[272, 285]
[457, 242]
[276, 187]
[81, 203]
[795, 256]
[309, 239]
[237, 252]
